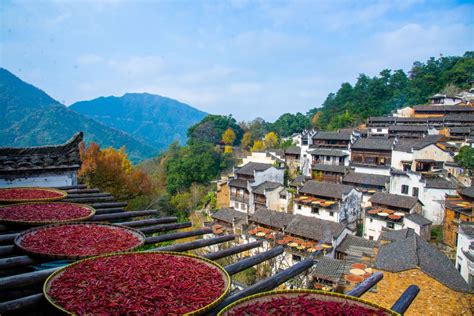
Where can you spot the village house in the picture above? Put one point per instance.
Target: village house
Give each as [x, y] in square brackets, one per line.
[438, 122]
[405, 258]
[458, 209]
[329, 173]
[267, 157]
[248, 177]
[328, 201]
[267, 195]
[428, 111]
[355, 249]
[293, 160]
[394, 212]
[430, 189]
[305, 144]
[443, 99]
[372, 155]
[46, 166]
[465, 252]
[367, 184]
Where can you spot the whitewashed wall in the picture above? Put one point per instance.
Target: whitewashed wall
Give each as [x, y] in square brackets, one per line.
[45, 180]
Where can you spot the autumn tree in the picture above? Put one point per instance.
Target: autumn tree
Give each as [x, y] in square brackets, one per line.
[258, 145]
[247, 139]
[271, 140]
[110, 170]
[228, 137]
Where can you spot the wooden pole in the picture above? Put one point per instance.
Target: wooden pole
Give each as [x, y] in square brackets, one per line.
[7, 238]
[17, 261]
[232, 250]
[402, 304]
[196, 244]
[108, 204]
[150, 221]
[365, 285]
[267, 284]
[7, 250]
[180, 235]
[110, 217]
[109, 210]
[25, 279]
[27, 302]
[164, 227]
[254, 260]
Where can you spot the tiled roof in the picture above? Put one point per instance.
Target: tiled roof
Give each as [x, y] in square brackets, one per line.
[408, 128]
[330, 269]
[407, 145]
[299, 180]
[439, 183]
[251, 167]
[469, 192]
[238, 183]
[418, 219]
[394, 200]
[413, 252]
[324, 189]
[266, 186]
[467, 228]
[228, 214]
[328, 152]
[332, 136]
[355, 241]
[41, 159]
[373, 144]
[443, 108]
[293, 151]
[365, 179]
[330, 168]
[394, 235]
[271, 218]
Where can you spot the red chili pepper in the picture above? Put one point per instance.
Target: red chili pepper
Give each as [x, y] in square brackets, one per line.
[147, 283]
[79, 240]
[27, 194]
[53, 211]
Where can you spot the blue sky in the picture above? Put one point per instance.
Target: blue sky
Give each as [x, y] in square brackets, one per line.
[248, 58]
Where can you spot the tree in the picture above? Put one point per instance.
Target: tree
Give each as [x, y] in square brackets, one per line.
[258, 145]
[288, 124]
[465, 158]
[211, 128]
[247, 139]
[271, 140]
[257, 128]
[228, 137]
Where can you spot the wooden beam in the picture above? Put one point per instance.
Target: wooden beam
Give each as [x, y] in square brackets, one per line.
[150, 221]
[179, 235]
[402, 304]
[232, 250]
[109, 210]
[108, 204]
[90, 199]
[196, 244]
[7, 238]
[253, 260]
[7, 250]
[86, 195]
[267, 284]
[27, 302]
[164, 227]
[17, 261]
[72, 187]
[115, 216]
[365, 285]
[25, 279]
[82, 191]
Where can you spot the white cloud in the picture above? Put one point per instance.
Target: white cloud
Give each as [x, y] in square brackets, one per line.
[138, 66]
[87, 59]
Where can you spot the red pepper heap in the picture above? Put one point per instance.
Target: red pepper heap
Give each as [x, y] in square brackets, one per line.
[43, 212]
[302, 305]
[143, 284]
[28, 194]
[79, 240]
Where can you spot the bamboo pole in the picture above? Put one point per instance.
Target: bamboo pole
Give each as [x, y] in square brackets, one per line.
[232, 250]
[196, 244]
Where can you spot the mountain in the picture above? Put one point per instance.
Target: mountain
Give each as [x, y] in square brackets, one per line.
[154, 119]
[30, 117]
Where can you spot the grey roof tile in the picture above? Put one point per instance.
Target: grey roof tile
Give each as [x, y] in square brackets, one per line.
[266, 186]
[394, 200]
[418, 219]
[365, 179]
[325, 189]
[228, 214]
[330, 168]
[251, 167]
[385, 144]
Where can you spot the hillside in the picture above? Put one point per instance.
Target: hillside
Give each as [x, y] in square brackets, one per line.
[30, 117]
[153, 119]
[351, 105]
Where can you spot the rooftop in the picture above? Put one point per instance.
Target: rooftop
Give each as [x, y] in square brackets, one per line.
[439, 183]
[328, 152]
[408, 128]
[469, 192]
[332, 136]
[228, 215]
[467, 228]
[418, 219]
[266, 186]
[323, 189]
[238, 183]
[351, 241]
[330, 269]
[250, 168]
[394, 200]
[330, 168]
[408, 145]
[293, 151]
[373, 144]
[365, 179]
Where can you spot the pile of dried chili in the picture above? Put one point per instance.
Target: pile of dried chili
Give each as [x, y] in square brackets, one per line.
[79, 240]
[27, 194]
[44, 212]
[137, 284]
[301, 305]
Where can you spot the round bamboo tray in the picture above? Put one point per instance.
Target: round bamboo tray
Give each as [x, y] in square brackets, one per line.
[321, 295]
[61, 195]
[47, 222]
[19, 238]
[200, 311]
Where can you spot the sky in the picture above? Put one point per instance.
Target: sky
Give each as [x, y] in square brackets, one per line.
[245, 58]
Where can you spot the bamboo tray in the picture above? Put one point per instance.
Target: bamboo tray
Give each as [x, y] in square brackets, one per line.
[320, 295]
[48, 283]
[61, 195]
[46, 222]
[19, 238]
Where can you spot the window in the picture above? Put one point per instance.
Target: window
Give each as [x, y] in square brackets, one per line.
[415, 191]
[405, 189]
[379, 130]
[371, 220]
[328, 158]
[296, 258]
[459, 267]
[299, 206]
[315, 210]
[331, 213]
[390, 225]
[371, 237]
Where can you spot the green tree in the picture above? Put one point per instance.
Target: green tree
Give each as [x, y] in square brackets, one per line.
[465, 158]
[211, 128]
[288, 124]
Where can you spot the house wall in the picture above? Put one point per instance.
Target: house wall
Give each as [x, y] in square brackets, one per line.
[450, 226]
[434, 297]
[398, 157]
[462, 262]
[258, 157]
[423, 231]
[373, 227]
[52, 179]
[380, 171]
[271, 174]
[431, 152]
[324, 213]
[273, 199]
[351, 207]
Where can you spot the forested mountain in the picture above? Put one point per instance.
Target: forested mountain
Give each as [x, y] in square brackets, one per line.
[30, 117]
[373, 96]
[154, 119]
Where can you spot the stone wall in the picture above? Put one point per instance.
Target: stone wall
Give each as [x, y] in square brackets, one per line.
[434, 297]
[223, 195]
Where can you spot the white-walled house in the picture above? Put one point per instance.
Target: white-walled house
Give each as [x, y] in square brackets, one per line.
[430, 190]
[267, 195]
[465, 252]
[248, 177]
[443, 99]
[367, 184]
[328, 201]
[46, 166]
[264, 157]
[372, 155]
